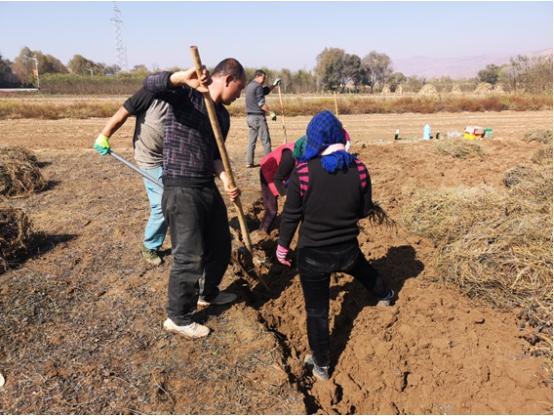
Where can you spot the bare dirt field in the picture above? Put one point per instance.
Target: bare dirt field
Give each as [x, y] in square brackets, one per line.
[81, 318]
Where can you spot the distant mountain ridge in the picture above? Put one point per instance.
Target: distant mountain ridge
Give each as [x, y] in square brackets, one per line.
[462, 67]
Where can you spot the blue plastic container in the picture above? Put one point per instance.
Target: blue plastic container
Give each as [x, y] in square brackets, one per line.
[427, 134]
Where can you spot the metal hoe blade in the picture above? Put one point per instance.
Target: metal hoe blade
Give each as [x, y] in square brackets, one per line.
[136, 169]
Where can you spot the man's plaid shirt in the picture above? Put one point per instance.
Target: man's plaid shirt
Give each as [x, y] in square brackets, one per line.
[189, 148]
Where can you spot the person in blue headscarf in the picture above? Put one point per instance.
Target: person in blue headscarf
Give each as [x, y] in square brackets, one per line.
[327, 138]
[328, 192]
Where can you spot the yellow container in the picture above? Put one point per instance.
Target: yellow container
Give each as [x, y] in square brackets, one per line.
[469, 136]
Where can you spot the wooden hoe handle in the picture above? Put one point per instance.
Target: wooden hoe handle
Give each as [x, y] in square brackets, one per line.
[222, 150]
[283, 111]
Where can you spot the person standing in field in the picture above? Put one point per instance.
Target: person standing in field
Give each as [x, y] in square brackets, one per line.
[329, 191]
[191, 202]
[151, 115]
[256, 111]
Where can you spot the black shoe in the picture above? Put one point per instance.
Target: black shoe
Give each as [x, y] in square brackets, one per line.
[387, 299]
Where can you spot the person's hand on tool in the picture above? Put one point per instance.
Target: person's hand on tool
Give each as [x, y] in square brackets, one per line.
[273, 115]
[102, 145]
[282, 255]
[232, 193]
[190, 78]
[276, 82]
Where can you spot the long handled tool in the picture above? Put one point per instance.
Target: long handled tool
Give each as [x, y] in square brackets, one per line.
[136, 169]
[224, 157]
[283, 111]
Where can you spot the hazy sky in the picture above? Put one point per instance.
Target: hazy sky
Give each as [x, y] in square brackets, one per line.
[273, 34]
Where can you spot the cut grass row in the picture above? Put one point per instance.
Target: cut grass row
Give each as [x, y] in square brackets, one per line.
[495, 244]
[49, 109]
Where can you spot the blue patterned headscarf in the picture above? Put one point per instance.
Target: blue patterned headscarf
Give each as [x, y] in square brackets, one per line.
[324, 130]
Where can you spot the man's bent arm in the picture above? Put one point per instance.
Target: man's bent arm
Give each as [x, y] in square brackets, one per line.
[115, 122]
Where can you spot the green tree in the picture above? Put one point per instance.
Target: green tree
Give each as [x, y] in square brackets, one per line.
[414, 84]
[48, 64]
[353, 71]
[7, 77]
[24, 65]
[490, 74]
[140, 70]
[329, 68]
[80, 65]
[395, 79]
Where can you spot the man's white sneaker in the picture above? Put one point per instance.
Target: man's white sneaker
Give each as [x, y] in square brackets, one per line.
[222, 298]
[192, 330]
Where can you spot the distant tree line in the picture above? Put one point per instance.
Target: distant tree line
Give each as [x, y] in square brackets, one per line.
[335, 71]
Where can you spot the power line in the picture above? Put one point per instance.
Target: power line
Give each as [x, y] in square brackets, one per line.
[120, 48]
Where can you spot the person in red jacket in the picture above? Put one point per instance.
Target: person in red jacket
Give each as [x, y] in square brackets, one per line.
[275, 169]
[328, 192]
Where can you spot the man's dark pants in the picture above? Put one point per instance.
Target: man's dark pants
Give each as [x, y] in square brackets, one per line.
[201, 243]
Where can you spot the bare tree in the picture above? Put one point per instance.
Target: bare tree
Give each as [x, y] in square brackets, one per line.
[378, 68]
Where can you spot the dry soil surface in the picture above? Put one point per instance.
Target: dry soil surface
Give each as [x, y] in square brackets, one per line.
[81, 317]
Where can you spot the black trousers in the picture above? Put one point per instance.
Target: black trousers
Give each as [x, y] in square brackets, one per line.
[270, 205]
[315, 266]
[201, 246]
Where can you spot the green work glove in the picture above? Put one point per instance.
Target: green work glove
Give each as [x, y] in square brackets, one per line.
[276, 82]
[102, 145]
[273, 115]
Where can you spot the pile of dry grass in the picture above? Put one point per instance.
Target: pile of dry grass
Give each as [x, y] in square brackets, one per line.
[19, 172]
[499, 89]
[20, 153]
[484, 88]
[456, 90]
[518, 175]
[495, 244]
[543, 155]
[15, 235]
[541, 136]
[458, 148]
[385, 90]
[428, 90]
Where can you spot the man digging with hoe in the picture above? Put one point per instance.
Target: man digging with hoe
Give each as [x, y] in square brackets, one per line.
[191, 203]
